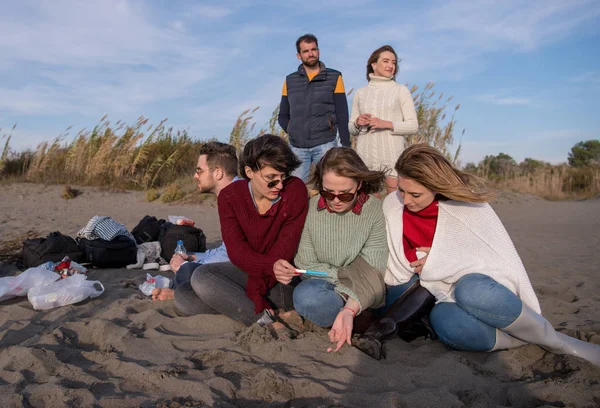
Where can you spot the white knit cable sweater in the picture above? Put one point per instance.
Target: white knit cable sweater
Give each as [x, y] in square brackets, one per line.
[469, 238]
[385, 99]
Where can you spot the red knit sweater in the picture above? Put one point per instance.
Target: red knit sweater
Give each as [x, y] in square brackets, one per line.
[418, 229]
[255, 242]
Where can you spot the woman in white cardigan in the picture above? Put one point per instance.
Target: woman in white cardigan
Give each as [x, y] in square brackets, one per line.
[383, 113]
[445, 234]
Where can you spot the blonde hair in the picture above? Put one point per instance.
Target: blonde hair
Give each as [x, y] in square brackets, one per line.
[427, 166]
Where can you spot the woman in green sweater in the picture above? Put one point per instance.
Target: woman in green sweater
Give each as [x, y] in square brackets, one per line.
[344, 238]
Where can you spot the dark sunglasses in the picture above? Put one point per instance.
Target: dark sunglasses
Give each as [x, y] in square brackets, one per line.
[344, 197]
[273, 183]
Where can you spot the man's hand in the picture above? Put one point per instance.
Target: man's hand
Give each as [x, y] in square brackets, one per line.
[341, 331]
[376, 123]
[420, 263]
[284, 271]
[178, 260]
[363, 120]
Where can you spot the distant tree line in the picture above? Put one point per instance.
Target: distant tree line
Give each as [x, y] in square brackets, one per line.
[580, 176]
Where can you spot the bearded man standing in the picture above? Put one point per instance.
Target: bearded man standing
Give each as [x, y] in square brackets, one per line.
[313, 107]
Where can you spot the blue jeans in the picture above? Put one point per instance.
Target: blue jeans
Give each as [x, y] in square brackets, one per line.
[184, 274]
[482, 306]
[317, 301]
[310, 155]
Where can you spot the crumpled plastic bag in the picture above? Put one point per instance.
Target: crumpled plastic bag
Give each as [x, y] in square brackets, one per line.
[19, 285]
[152, 283]
[67, 291]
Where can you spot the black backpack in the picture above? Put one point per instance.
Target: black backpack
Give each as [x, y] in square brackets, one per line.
[147, 229]
[53, 248]
[193, 239]
[119, 252]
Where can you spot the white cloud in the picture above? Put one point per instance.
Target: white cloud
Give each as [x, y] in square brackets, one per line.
[210, 12]
[501, 98]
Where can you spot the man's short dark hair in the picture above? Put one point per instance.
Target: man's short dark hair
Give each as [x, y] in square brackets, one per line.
[221, 155]
[268, 150]
[307, 38]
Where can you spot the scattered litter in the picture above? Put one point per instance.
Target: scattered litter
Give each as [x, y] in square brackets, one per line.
[181, 220]
[65, 267]
[153, 282]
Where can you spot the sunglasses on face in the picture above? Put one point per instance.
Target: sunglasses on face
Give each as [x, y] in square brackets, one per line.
[274, 182]
[344, 197]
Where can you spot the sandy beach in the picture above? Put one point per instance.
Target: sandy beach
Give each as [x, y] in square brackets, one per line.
[124, 350]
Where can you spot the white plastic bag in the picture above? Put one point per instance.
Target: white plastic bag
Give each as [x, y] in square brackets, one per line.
[19, 285]
[154, 282]
[64, 292]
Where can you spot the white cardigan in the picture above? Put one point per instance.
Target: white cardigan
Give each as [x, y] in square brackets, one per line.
[469, 238]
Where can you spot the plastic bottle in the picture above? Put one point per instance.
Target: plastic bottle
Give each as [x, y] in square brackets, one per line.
[180, 249]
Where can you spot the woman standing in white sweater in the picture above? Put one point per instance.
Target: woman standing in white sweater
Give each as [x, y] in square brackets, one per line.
[383, 113]
[444, 234]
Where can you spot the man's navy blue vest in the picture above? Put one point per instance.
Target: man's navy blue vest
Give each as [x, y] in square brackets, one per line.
[312, 107]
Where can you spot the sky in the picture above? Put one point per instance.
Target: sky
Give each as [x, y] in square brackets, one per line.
[525, 73]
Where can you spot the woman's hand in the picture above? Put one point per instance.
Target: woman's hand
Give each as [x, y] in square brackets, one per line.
[419, 263]
[341, 331]
[376, 123]
[363, 119]
[284, 271]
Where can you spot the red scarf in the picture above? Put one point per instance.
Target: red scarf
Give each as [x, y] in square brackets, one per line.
[418, 229]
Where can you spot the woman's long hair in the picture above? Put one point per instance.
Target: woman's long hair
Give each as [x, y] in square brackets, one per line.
[426, 165]
[375, 56]
[345, 162]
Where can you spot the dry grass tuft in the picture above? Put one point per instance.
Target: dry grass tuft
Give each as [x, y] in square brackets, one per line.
[152, 195]
[173, 192]
[69, 193]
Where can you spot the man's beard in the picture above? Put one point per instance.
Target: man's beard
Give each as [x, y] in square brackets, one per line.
[311, 63]
[207, 189]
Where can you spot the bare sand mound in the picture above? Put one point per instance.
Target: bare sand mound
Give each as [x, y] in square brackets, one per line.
[123, 350]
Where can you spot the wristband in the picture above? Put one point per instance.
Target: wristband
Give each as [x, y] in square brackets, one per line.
[347, 308]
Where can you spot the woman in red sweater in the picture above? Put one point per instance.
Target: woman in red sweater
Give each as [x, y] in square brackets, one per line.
[261, 219]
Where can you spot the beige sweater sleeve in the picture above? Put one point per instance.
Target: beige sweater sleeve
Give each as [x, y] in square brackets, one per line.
[405, 119]
[354, 114]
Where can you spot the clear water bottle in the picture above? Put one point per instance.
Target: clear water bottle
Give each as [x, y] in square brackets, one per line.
[180, 249]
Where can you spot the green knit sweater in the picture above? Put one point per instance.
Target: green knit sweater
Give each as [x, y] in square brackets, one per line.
[331, 241]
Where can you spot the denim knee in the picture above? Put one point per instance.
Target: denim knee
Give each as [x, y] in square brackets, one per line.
[487, 300]
[184, 274]
[316, 300]
[459, 330]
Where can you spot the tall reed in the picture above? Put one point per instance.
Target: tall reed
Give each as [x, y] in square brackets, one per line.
[137, 156]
